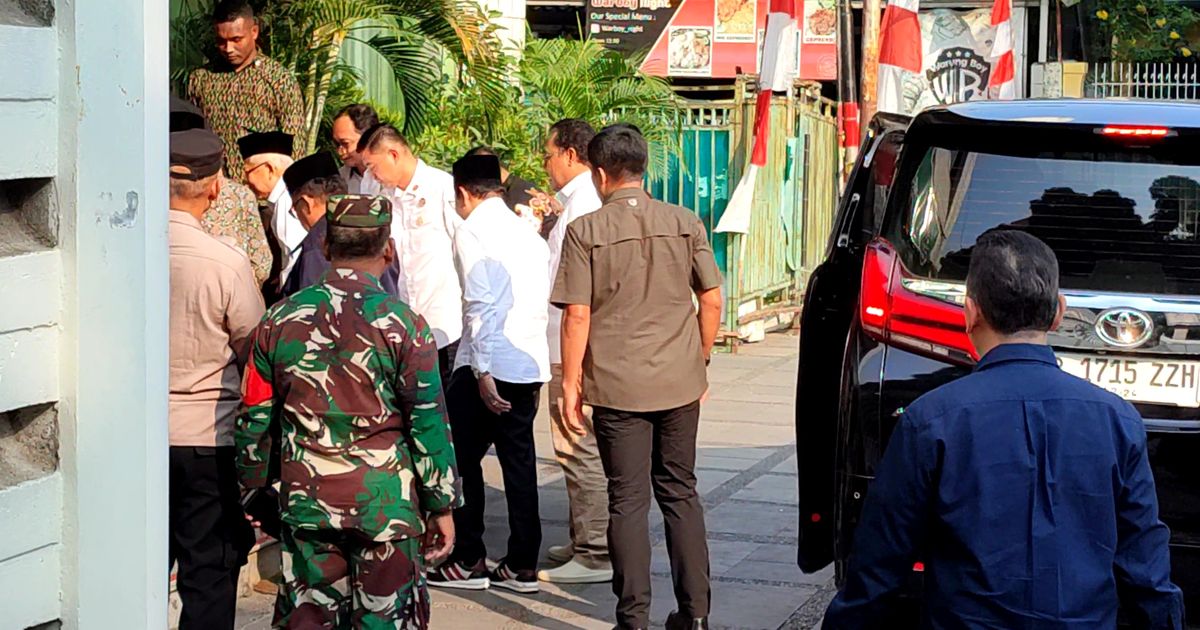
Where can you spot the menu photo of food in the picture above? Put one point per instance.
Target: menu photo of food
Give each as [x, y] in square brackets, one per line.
[735, 20]
[689, 50]
[820, 22]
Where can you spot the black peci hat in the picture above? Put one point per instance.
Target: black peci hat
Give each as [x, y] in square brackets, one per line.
[185, 115]
[309, 168]
[266, 142]
[476, 168]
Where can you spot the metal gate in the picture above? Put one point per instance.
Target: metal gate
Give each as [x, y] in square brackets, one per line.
[1160, 81]
[700, 181]
[766, 269]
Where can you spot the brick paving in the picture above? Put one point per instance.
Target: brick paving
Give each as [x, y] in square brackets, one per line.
[746, 466]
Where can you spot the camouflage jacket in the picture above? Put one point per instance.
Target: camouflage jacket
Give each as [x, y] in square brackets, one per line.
[351, 376]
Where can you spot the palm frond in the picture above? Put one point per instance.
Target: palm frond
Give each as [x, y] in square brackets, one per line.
[416, 64]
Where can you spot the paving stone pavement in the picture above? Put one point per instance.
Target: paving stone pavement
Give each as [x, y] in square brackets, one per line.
[746, 467]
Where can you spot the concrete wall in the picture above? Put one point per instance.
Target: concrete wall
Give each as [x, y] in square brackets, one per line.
[83, 320]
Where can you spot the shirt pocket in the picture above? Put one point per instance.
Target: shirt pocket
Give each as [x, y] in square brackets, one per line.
[420, 214]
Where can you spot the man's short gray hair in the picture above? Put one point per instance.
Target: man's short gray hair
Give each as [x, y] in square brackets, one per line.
[191, 189]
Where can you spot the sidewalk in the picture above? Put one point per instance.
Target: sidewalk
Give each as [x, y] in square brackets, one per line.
[746, 466]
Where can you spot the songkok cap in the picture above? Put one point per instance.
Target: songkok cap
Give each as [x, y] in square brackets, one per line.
[266, 142]
[362, 211]
[196, 154]
[185, 115]
[309, 168]
[476, 168]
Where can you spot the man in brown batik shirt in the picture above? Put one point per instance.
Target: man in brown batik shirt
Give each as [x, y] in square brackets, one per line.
[244, 91]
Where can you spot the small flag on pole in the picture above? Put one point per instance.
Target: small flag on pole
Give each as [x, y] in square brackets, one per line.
[778, 68]
[899, 52]
[1002, 84]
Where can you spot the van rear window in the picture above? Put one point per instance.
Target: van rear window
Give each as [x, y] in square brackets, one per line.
[1116, 221]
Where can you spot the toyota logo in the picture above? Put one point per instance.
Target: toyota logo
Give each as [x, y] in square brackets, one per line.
[1124, 327]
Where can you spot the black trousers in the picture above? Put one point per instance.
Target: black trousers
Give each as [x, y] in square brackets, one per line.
[210, 536]
[641, 450]
[446, 364]
[475, 429]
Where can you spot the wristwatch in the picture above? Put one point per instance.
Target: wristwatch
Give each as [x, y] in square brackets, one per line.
[707, 360]
[478, 374]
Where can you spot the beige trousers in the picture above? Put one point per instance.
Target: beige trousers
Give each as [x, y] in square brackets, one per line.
[587, 487]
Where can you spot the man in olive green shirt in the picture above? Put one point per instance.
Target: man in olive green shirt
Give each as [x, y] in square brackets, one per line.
[634, 347]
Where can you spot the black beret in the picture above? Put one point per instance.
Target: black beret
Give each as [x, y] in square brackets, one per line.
[309, 168]
[266, 142]
[476, 168]
[196, 154]
[185, 115]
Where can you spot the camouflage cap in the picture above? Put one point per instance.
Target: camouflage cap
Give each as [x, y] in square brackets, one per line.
[365, 211]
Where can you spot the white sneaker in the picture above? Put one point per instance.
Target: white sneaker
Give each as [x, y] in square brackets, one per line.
[575, 572]
[560, 553]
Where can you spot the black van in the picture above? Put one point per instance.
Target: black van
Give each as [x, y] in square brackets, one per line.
[1113, 187]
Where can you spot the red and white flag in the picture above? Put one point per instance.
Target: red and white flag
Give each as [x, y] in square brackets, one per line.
[899, 53]
[1002, 84]
[776, 71]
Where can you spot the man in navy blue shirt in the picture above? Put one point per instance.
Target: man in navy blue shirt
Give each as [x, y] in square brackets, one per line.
[1025, 491]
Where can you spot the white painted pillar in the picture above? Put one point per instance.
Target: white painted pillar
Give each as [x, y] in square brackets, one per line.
[112, 190]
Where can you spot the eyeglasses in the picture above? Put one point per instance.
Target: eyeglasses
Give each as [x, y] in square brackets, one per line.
[254, 168]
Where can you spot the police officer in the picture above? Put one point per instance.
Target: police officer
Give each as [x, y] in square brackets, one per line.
[368, 476]
[215, 304]
[1024, 490]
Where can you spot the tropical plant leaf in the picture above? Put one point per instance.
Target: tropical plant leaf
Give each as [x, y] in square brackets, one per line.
[416, 65]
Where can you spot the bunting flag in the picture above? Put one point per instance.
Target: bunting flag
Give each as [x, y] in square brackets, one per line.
[1002, 84]
[899, 52]
[779, 56]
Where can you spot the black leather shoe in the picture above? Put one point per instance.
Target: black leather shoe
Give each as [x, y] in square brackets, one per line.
[676, 621]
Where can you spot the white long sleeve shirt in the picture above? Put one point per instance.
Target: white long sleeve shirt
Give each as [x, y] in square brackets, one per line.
[286, 226]
[502, 264]
[352, 178]
[578, 197]
[423, 225]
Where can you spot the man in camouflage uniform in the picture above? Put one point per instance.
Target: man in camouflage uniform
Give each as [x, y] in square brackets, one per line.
[368, 477]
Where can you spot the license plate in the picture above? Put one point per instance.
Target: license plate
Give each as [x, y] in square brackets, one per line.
[1139, 380]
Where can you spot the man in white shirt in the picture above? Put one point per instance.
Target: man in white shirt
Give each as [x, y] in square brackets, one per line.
[265, 157]
[501, 366]
[585, 556]
[348, 128]
[423, 226]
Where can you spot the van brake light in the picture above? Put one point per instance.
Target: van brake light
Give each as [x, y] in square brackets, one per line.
[1129, 131]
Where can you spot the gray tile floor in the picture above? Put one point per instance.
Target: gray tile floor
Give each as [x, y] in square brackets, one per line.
[747, 476]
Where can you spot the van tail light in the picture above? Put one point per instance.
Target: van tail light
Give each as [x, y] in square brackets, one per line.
[900, 309]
